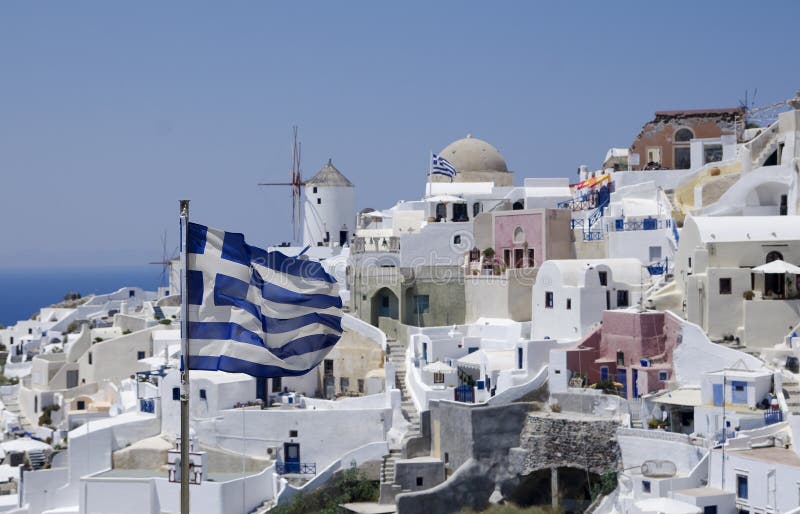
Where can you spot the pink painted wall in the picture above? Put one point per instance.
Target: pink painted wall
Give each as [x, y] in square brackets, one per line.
[639, 335]
[531, 223]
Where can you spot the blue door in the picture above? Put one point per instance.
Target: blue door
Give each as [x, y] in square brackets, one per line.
[718, 395]
[604, 373]
[465, 393]
[635, 385]
[622, 378]
[739, 392]
[291, 457]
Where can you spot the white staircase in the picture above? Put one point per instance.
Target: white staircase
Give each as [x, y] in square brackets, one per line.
[12, 405]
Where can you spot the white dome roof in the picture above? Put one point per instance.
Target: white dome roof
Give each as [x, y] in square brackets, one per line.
[473, 154]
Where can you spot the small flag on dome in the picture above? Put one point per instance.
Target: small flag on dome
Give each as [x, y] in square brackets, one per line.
[441, 166]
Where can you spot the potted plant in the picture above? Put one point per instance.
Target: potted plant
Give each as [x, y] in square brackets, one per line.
[748, 295]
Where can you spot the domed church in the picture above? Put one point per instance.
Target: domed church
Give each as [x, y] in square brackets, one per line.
[475, 160]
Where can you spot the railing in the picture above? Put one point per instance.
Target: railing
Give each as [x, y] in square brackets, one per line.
[675, 233]
[375, 244]
[645, 224]
[760, 142]
[773, 416]
[147, 405]
[598, 212]
[593, 236]
[296, 468]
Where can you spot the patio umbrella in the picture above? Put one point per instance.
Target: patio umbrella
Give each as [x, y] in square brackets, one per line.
[777, 266]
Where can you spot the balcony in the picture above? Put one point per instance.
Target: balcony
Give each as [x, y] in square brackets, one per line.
[296, 468]
[389, 244]
[620, 225]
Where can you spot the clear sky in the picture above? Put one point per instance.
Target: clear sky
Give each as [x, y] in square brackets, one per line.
[110, 111]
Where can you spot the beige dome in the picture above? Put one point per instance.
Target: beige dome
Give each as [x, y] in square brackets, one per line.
[473, 154]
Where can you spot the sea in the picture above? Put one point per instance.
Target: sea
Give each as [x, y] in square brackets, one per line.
[24, 291]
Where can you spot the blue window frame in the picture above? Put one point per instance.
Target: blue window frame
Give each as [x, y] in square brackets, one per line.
[741, 487]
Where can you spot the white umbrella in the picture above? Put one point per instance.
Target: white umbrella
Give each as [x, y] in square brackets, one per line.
[444, 198]
[778, 266]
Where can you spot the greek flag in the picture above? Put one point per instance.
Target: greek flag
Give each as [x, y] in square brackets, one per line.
[256, 312]
[441, 166]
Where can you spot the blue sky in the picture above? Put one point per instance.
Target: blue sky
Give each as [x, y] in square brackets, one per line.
[110, 112]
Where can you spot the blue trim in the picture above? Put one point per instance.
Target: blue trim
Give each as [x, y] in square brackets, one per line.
[234, 365]
[275, 293]
[223, 330]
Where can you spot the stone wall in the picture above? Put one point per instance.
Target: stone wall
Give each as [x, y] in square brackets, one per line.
[557, 440]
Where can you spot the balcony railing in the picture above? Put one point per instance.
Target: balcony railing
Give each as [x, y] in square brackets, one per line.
[644, 224]
[593, 236]
[773, 416]
[296, 468]
[375, 244]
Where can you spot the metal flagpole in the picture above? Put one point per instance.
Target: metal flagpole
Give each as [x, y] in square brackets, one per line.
[184, 211]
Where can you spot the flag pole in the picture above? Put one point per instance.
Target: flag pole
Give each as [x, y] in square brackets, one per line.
[184, 213]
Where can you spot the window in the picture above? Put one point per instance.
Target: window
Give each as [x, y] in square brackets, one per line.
[683, 135]
[655, 253]
[604, 373]
[460, 212]
[710, 509]
[90, 358]
[421, 303]
[276, 385]
[140, 355]
[476, 209]
[548, 300]
[519, 235]
[569, 304]
[724, 286]
[646, 486]
[319, 201]
[176, 393]
[663, 375]
[603, 277]
[519, 256]
[344, 384]
[712, 153]
[314, 189]
[438, 378]
[654, 155]
[507, 257]
[419, 481]
[81, 405]
[518, 205]
[457, 239]
[360, 385]
[328, 366]
[531, 260]
[741, 487]
[622, 298]
[131, 293]
[203, 395]
[293, 433]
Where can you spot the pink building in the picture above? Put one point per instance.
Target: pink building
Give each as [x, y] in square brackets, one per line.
[524, 238]
[631, 348]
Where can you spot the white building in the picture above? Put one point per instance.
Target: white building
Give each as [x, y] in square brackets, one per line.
[569, 296]
[329, 208]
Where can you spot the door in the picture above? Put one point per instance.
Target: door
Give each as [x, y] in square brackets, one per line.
[425, 352]
[739, 395]
[604, 373]
[622, 378]
[635, 383]
[291, 457]
[342, 237]
[72, 378]
[718, 398]
[519, 358]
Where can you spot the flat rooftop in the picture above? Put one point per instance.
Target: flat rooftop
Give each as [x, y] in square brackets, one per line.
[699, 492]
[772, 454]
[155, 473]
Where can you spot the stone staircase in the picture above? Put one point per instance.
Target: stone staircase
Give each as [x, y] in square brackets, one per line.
[792, 387]
[12, 405]
[397, 357]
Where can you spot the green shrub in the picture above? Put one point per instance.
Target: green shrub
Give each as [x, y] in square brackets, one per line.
[349, 486]
[165, 321]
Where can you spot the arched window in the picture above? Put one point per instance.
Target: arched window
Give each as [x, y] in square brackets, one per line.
[774, 256]
[441, 211]
[519, 235]
[518, 205]
[683, 135]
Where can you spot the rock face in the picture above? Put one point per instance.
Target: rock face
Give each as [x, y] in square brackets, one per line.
[493, 448]
[555, 440]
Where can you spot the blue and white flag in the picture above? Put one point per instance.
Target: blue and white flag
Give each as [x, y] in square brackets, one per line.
[441, 166]
[257, 312]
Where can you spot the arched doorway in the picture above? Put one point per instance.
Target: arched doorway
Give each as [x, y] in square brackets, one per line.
[384, 304]
[774, 283]
[518, 205]
[441, 211]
